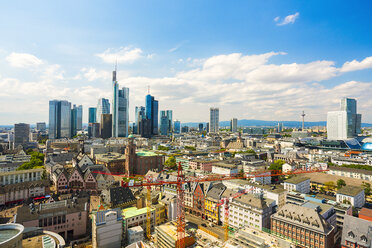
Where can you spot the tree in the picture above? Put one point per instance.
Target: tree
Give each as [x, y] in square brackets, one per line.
[277, 165]
[367, 188]
[170, 163]
[36, 161]
[340, 183]
[330, 185]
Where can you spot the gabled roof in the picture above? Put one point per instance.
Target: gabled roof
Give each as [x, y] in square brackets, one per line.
[216, 191]
[120, 195]
[357, 231]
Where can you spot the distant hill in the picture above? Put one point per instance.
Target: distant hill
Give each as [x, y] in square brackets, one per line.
[261, 123]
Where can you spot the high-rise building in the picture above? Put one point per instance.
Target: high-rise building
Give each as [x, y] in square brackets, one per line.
[152, 113]
[140, 114]
[106, 126]
[177, 126]
[234, 125]
[120, 109]
[21, 134]
[214, 120]
[94, 130]
[76, 119]
[59, 119]
[164, 123]
[103, 107]
[201, 127]
[170, 119]
[41, 126]
[92, 118]
[346, 123]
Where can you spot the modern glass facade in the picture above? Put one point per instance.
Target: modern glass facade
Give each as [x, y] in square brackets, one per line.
[103, 107]
[140, 114]
[152, 113]
[59, 119]
[92, 118]
[120, 109]
[166, 122]
[76, 119]
[177, 127]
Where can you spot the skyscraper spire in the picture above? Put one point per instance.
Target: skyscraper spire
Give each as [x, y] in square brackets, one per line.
[114, 72]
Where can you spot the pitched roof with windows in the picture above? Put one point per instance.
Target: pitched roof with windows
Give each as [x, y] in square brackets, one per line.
[357, 231]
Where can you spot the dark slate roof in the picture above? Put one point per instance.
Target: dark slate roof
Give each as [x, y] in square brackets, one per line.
[357, 230]
[216, 191]
[120, 195]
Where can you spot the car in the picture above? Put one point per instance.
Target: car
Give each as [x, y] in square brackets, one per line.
[204, 225]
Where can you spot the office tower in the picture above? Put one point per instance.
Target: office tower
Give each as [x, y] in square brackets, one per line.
[92, 118]
[164, 123]
[120, 109]
[170, 119]
[140, 114]
[59, 119]
[214, 120]
[41, 126]
[94, 130]
[207, 127]
[234, 125]
[185, 129]
[103, 107]
[346, 123]
[106, 126]
[76, 119]
[21, 134]
[145, 128]
[280, 127]
[152, 113]
[201, 127]
[177, 126]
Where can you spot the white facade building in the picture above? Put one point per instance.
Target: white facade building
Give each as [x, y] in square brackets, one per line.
[298, 184]
[350, 194]
[107, 229]
[21, 176]
[135, 234]
[224, 169]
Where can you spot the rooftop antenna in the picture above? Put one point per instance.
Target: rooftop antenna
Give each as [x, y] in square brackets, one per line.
[114, 72]
[303, 120]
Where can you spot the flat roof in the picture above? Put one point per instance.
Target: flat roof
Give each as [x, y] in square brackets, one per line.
[133, 211]
[296, 180]
[146, 154]
[349, 190]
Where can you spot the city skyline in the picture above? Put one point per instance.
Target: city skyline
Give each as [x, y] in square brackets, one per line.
[211, 63]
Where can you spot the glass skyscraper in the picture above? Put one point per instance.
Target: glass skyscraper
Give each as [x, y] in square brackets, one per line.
[152, 113]
[177, 127]
[166, 122]
[140, 114]
[103, 107]
[120, 109]
[92, 118]
[59, 119]
[76, 119]
[346, 123]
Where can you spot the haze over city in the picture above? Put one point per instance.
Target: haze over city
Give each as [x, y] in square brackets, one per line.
[251, 61]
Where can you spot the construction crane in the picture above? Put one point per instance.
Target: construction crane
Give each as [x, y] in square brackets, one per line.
[225, 202]
[148, 181]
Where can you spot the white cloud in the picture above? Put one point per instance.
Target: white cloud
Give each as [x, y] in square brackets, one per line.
[23, 60]
[356, 65]
[287, 20]
[91, 74]
[122, 55]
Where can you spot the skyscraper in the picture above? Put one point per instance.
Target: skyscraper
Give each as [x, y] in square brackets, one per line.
[165, 121]
[59, 119]
[214, 120]
[170, 119]
[234, 125]
[103, 107]
[200, 127]
[92, 118]
[140, 114]
[40, 126]
[346, 123]
[106, 126]
[21, 134]
[120, 109]
[76, 119]
[152, 112]
[177, 126]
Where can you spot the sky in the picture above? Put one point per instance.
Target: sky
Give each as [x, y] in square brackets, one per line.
[265, 60]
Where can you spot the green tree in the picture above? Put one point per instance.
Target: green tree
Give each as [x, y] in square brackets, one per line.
[36, 161]
[330, 185]
[367, 188]
[192, 148]
[340, 183]
[170, 163]
[277, 165]
[163, 148]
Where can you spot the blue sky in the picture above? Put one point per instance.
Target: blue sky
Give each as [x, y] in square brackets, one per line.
[254, 59]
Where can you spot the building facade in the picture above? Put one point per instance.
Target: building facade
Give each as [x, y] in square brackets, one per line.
[106, 126]
[92, 118]
[298, 184]
[234, 125]
[21, 134]
[107, 228]
[120, 109]
[152, 113]
[103, 107]
[214, 119]
[59, 119]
